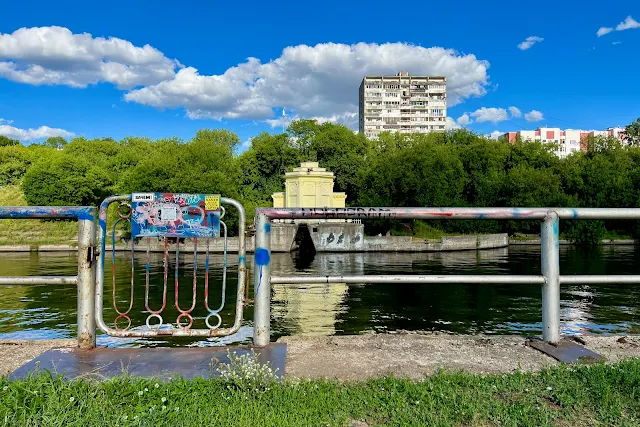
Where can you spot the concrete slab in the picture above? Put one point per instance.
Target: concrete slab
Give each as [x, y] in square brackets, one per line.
[160, 363]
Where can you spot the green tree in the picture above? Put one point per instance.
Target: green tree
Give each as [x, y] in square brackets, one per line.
[56, 142]
[6, 142]
[344, 153]
[632, 133]
[263, 167]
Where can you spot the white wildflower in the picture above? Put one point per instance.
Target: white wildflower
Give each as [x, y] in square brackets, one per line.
[156, 385]
[164, 399]
[71, 399]
[549, 388]
[140, 393]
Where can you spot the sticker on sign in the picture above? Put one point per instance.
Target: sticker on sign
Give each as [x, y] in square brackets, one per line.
[212, 202]
[143, 197]
[168, 213]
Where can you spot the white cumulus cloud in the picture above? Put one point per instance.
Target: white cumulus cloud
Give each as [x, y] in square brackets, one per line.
[495, 134]
[515, 112]
[451, 124]
[529, 41]
[312, 81]
[464, 120]
[603, 30]
[534, 116]
[493, 115]
[56, 56]
[628, 24]
[31, 134]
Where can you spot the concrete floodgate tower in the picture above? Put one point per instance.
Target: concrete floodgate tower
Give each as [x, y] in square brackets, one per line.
[311, 186]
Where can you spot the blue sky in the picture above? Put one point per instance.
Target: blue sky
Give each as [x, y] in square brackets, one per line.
[163, 69]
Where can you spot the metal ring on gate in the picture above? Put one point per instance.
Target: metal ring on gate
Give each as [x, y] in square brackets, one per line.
[128, 215]
[122, 316]
[187, 315]
[206, 320]
[156, 316]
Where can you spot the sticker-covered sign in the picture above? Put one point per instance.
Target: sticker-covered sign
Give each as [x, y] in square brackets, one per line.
[175, 215]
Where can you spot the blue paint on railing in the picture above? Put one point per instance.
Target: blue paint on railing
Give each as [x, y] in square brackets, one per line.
[70, 212]
[262, 256]
[241, 259]
[267, 228]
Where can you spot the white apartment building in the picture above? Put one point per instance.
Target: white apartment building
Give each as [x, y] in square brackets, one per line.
[568, 141]
[402, 103]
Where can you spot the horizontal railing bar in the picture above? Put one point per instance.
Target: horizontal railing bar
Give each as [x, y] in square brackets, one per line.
[596, 279]
[461, 279]
[402, 278]
[448, 213]
[47, 212]
[38, 280]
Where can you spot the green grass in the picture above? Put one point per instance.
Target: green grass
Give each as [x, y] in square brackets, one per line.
[36, 232]
[424, 231]
[585, 395]
[614, 235]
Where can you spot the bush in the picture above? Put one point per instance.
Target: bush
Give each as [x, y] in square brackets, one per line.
[586, 233]
[66, 180]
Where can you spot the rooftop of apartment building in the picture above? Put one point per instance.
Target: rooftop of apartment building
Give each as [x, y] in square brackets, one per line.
[405, 74]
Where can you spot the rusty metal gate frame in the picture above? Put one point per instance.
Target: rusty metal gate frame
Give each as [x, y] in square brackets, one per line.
[180, 331]
[85, 279]
[550, 279]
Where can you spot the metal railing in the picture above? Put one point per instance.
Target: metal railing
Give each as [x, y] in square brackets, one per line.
[85, 280]
[157, 330]
[550, 279]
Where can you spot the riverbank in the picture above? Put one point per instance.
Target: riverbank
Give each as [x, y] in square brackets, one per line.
[598, 394]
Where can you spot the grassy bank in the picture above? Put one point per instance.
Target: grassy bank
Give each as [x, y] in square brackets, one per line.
[561, 396]
[36, 232]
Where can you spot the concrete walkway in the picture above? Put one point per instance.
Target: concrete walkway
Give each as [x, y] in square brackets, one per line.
[415, 355]
[409, 354]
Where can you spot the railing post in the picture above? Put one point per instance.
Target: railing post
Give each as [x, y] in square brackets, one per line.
[262, 282]
[551, 271]
[86, 281]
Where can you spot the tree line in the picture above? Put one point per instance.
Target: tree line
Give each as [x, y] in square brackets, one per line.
[456, 168]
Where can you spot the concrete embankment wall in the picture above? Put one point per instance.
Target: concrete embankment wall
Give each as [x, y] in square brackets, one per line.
[448, 243]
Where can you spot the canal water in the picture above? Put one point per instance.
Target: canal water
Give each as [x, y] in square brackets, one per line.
[323, 309]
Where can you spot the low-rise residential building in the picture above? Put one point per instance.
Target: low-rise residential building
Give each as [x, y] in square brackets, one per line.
[568, 141]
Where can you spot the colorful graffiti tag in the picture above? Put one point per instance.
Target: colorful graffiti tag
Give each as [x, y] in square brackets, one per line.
[175, 215]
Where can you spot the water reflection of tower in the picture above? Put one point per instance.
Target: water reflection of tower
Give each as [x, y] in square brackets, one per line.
[313, 309]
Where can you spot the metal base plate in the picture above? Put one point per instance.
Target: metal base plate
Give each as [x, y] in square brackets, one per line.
[566, 351]
[160, 363]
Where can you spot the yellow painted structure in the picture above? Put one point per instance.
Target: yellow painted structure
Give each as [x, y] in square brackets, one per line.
[309, 186]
